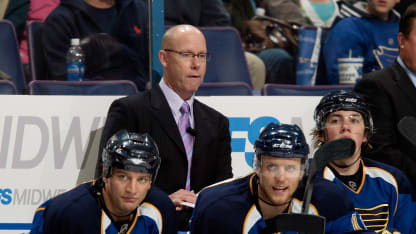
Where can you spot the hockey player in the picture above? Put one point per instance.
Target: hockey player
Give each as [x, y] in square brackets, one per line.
[382, 194]
[245, 205]
[123, 201]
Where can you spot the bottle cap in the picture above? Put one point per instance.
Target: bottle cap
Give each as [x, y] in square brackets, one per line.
[75, 41]
[260, 11]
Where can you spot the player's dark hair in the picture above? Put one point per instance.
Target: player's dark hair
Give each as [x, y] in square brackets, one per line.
[407, 20]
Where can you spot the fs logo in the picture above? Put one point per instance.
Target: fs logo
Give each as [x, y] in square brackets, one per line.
[5, 196]
[242, 124]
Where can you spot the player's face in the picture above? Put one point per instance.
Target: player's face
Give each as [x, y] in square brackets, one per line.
[183, 71]
[125, 190]
[381, 8]
[408, 47]
[346, 124]
[279, 178]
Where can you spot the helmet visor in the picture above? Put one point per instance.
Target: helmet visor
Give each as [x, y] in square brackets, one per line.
[287, 168]
[336, 120]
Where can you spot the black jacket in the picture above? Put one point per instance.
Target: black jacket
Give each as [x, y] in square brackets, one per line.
[391, 96]
[71, 20]
[150, 113]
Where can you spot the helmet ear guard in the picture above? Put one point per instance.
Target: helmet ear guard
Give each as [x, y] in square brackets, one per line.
[132, 152]
[280, 141]
[342, 100]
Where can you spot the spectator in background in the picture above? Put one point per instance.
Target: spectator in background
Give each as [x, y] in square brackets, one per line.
[382, 194]
[319, 13]
[368, 40]
[257, 70]
[391, 93]
[194, 139]
[399, 7]
[38, 10]
[126, 21]
[197, 13]
[16, 12]
[280, 66]
[211, 13]
[284, 10]
[104, 57]
[3, 8]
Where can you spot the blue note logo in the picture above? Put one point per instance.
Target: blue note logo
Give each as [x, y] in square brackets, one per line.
[253, 128]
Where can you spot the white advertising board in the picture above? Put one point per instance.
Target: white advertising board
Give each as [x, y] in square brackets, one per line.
[48, 144]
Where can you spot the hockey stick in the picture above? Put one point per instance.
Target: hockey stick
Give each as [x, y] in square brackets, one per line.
[330, 151]
[407, 127]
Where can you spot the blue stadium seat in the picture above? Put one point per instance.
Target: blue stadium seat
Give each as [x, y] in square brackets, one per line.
[224, 89]
[7, 87]
[108, 88]
[301, 90]
[228, 63]
[34, 44]
[10, 62]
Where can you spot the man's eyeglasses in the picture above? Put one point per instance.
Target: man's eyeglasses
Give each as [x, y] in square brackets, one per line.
[189, 55]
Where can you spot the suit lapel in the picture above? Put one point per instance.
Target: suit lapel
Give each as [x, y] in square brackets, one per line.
[199, 119]
[404, 83]
[163, 115]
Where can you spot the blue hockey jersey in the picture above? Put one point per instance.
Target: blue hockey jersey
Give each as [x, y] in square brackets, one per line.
[367, 39]
[77, 211]
[230, 207]
[384, 198]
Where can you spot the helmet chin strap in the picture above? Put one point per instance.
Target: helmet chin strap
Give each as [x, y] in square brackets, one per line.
[271, 203]
[98, 192]
[342, 166]
[121, 216]
[268, 202]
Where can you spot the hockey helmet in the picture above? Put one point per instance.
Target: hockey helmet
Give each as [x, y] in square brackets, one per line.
[342, 100]
[132, 152]
[281, 140]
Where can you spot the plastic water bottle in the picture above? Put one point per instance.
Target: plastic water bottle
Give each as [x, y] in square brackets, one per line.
[260, 11]
[75, 61]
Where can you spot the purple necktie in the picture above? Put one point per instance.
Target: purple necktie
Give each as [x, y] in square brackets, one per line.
[187, 139]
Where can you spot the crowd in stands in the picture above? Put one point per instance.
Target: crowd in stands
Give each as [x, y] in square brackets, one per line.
[366, 36]
[370, 44]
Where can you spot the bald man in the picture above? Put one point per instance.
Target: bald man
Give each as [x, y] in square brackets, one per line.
[192, 158]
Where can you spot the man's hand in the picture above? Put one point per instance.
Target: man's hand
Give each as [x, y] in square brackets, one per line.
[180, 196]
